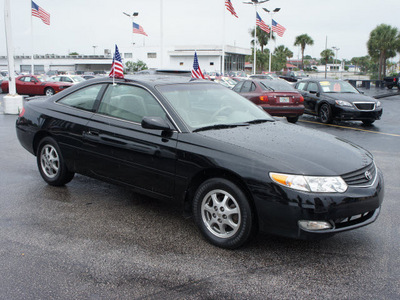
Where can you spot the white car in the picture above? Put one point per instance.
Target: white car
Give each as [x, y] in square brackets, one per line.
[74, 79]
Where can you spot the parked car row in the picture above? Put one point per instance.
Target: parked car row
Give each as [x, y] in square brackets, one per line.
[40, 85]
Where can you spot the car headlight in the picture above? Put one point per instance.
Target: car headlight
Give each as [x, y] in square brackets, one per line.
[314, 184]
[378, 104]
[343, 103]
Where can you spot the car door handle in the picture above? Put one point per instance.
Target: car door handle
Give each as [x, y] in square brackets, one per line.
[91, 135]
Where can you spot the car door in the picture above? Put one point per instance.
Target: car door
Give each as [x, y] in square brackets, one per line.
[121, 150]
[20, 84]
[311, 97]
[75, 111]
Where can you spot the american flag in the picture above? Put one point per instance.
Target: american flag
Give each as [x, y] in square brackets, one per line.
[229, 7]
[279, 29]
[261, 24]
[39, 12]
[117, 69]
[138, 29]
[196, 72]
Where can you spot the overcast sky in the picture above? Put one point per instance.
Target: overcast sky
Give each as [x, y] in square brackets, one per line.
[78, 25]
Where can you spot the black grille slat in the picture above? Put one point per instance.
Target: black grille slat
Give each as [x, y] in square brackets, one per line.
[358, 177]
[365, 106]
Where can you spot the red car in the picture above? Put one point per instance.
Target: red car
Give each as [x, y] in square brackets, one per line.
[35, 85]
[276, 97]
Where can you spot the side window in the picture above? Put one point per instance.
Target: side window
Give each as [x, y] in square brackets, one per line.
[83, 98]
[238, 86]
[130, 103]
[312, 86]
[246, 86]
[22, 79]
[301, 86]
[253, 87]
[66, 79]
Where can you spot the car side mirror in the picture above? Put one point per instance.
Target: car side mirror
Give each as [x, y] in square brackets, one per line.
[33, 80]
[315, 92]
[155, 123]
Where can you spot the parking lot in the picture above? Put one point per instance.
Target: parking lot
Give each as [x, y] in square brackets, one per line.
[93, 240]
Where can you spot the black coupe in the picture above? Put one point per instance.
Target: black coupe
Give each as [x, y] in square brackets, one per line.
[229, 163]
[338, 100]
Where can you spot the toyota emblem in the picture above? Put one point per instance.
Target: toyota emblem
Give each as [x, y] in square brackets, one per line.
[368, 175]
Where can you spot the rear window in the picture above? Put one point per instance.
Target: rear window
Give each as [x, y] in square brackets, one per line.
[276, 85]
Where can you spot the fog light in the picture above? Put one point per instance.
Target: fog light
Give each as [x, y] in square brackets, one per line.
[314, 225]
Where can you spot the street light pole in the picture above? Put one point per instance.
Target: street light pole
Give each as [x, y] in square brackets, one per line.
[270, 34]
[131, 17]
[336, 49]
[255, 3]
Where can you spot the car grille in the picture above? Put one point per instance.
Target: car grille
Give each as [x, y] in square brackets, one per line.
[364, 176]
[365, 106]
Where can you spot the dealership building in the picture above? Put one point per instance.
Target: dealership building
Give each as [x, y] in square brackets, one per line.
[177, 58]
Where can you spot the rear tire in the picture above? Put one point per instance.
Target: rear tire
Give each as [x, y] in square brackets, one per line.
[292, 119]
[223, 213]
[49, 91]
[51, 164]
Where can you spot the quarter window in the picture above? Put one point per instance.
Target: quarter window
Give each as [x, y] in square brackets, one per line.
[84, 98]
[130, 103]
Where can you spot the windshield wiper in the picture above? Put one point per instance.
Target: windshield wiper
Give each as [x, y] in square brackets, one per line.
[220, 126]
[258, 121]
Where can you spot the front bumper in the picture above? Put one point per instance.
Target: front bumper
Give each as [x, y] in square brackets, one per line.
[280, 209]
[349, 113]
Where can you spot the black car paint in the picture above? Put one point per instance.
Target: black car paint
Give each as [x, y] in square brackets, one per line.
[171, 164]
[313, 100]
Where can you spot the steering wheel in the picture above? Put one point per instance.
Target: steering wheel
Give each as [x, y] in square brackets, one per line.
[220, 111]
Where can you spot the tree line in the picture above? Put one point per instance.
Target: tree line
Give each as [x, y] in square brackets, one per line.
[383, 44]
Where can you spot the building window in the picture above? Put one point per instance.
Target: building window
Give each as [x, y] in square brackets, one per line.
[181, 63]
[211, 63]
[128, 55]
[151, 55]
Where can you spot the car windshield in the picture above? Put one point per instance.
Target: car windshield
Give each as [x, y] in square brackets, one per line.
[203, 105]
[276, 85]
[337, 87]
[300, 74]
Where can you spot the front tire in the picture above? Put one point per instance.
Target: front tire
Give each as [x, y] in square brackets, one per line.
[223, 213]
[51, 164]
[325, 113]
[368, 122]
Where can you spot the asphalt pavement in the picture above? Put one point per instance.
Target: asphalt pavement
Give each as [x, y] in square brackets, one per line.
[92, 240]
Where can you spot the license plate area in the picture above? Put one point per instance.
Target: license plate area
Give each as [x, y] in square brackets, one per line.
[284, 99]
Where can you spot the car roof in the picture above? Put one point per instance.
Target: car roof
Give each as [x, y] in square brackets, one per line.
[153, 80]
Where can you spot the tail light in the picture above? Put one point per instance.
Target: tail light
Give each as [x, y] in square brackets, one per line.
[264, 98]
[301, 99]
[394, 79]
[22, 112]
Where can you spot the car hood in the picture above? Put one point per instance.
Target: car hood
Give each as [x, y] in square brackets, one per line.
[350, 97]
[293, 149]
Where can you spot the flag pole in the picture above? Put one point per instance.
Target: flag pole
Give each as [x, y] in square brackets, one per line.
[255, 42]
[32, 50]
[223, 40]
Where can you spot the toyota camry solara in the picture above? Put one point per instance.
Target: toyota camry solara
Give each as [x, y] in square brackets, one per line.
[233, 167]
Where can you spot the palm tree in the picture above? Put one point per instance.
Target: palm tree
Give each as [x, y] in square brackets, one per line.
[383, 43]
[326, 55]
[281, 54]
[262, 38]
[303, 40]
